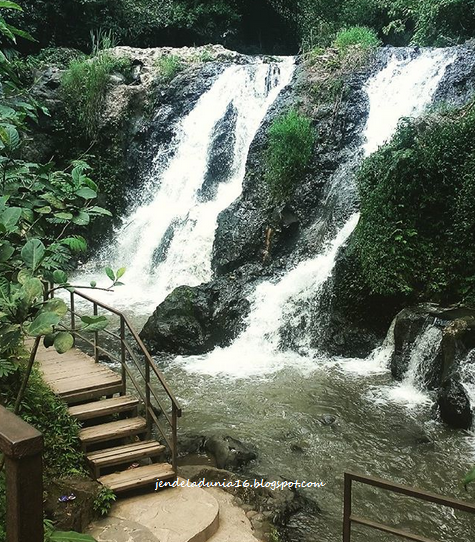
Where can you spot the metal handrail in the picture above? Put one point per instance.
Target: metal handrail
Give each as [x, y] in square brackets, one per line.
[150, 369]
[349, 518]
[22, 447]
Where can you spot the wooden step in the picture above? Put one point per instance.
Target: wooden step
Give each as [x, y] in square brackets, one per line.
[141, 476]
[113, 430]
[106, 407]
[124, 454]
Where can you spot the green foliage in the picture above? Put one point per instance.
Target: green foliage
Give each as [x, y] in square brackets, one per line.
[84, 87]
[169, 66]
[51, 535]
[291, 141]
[104, 501]
[417, 223]
[356, 36]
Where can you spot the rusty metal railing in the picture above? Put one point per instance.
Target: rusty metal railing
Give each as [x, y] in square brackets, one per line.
[151, 378]
[22, 447]
[349, 519]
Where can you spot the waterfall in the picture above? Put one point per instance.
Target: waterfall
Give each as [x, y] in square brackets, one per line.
[403, 88]
[167, 240]
[412, 390]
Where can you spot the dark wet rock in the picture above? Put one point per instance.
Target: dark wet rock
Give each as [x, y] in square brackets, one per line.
[195, 320]
[409, 325]
[221, 155]
[72, 515]
[230, 453]
[458, 83]
[454, 405]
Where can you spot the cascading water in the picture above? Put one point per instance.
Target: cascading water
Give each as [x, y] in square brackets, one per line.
[403, 88]
[412, 390]
[174, 219]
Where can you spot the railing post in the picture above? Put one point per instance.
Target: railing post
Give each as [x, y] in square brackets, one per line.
[122, 355]
[347, 508]
[73, 315]
[96, 337]
[148, 404]
[174, 437]
[22, 446]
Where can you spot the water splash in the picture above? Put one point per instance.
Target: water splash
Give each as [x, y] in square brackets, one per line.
[412, 390]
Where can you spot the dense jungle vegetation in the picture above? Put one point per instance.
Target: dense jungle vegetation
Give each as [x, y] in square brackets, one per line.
[250, 25]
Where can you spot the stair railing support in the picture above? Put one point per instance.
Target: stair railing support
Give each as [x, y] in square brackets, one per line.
[22, 446]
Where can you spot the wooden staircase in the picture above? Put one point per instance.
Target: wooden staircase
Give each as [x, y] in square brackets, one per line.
[116, 440]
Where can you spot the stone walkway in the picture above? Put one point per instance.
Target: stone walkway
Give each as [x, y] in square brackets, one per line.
[175, 515]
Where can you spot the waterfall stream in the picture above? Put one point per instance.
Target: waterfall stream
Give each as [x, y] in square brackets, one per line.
[403, 88]
[167, 240]
[258, 389]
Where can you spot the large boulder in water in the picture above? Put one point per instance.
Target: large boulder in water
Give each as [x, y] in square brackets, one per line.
[454, 405]
[194, 320]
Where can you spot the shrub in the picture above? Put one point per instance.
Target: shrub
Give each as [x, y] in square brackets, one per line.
[415, 236]
[356, 36]
[84, 87]
[291, 140]
[169, 66]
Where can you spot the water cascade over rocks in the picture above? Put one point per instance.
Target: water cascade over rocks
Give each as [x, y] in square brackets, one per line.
[269, 384]
[403, 88]
[167, 240]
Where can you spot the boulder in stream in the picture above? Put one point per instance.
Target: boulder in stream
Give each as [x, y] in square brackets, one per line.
[454, 405]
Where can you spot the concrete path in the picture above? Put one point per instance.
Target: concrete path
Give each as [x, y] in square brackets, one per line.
[175, 515]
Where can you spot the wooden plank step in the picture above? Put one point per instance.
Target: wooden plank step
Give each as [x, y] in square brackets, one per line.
[89, 394]
[126, 453]
[113, 430]
[141, 476]
[106, 407]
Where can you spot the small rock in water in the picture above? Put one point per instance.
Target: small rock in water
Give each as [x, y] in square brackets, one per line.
[327, 419]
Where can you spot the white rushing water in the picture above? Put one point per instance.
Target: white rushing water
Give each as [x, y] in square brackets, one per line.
[403, 88]
[172, 206]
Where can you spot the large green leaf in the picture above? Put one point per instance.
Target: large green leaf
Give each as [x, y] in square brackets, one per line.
[32, 289]
[43, 324]
[86, 193]
[10, 5]
[94, 323]
[110, 273]
[33, 253]
[56, 306]
[121, 272]
[70, 536]
[82, 219]
[9, 136]
[63, 342]
[99, 211]
[10, 217]
[6, 251]
[60, 277]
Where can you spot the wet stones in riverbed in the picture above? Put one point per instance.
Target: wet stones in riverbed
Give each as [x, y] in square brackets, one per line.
[226, 451]
[454, 405]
